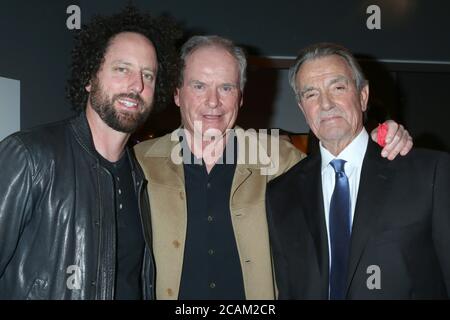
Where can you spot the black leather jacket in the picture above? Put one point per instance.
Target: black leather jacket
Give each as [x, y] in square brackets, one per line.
[57, 216]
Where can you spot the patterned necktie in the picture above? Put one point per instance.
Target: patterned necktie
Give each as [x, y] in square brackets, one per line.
[339, 231]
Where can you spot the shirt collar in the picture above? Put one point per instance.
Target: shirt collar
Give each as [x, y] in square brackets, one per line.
[353, 154]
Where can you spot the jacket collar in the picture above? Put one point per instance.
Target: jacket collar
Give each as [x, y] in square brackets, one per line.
[83, 135]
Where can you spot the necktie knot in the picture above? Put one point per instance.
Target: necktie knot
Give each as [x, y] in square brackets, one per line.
[338, 165]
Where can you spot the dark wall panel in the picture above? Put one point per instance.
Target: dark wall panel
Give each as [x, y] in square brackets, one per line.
[410, 29]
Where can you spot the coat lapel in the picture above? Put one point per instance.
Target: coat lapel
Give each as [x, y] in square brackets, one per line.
[314, 214]
[169, 213]
[240, 176]
[170, 151]
[244, 168]
[375, 175]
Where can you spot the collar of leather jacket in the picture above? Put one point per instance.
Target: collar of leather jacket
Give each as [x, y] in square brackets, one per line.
[83, 135]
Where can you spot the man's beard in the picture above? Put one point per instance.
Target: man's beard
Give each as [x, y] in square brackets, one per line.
[123, 121]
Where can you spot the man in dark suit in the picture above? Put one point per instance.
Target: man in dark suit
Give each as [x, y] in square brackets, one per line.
[346, 223]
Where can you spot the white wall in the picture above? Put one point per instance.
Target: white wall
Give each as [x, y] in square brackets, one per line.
[9, 106]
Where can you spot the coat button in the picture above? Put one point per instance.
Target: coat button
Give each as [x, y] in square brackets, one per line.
[212, 285]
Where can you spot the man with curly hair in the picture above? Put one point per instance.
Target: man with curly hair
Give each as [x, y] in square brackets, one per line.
[73, 207]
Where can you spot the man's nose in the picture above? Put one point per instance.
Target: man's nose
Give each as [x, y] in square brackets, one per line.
[136, 83]
[326, 102]
[212, 99]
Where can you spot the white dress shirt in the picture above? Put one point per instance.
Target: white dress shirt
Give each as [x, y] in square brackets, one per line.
[353, 154]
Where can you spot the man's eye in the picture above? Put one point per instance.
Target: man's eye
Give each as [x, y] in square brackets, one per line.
[198, 86]
[148, 76]
[309, 95]
[227, 88]
[340, 87]
[121, 69]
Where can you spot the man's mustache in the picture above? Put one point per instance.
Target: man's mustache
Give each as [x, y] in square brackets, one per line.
[133, 96]
[334, 113]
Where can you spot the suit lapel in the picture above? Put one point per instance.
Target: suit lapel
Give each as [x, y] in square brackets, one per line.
[375, 175]
[311, 177]
[241, 174]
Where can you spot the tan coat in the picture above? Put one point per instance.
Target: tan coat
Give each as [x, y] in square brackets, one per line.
[167, 194]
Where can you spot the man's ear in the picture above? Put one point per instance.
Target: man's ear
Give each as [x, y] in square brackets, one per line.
[364, 97]
[300, 106]
[176, 97]
[242, 100]
[88, 87]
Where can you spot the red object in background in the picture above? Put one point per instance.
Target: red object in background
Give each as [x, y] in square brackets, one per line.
[381, 134]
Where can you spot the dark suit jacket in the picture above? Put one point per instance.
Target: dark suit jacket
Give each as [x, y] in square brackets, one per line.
[401, 224]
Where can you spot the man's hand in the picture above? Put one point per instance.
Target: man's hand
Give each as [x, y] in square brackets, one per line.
[398, 140]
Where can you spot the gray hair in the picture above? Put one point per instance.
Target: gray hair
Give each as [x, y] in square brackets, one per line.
[197, 42]
[321, 50]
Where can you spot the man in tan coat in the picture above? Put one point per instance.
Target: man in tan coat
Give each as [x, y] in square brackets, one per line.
[207, 183]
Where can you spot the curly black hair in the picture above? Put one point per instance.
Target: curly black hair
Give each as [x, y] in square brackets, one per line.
[93, 39]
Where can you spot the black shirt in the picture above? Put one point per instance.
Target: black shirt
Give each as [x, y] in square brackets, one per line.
[211, 265]
[130, 239]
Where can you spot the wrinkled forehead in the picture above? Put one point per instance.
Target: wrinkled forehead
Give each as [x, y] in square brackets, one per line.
[213, 60]
[320, 68]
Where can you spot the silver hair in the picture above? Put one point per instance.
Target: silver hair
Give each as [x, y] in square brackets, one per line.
[321, 50]
[197, 42]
